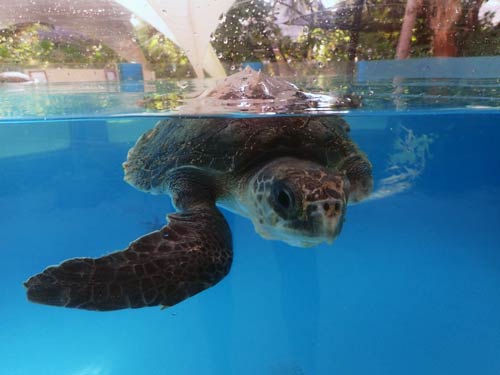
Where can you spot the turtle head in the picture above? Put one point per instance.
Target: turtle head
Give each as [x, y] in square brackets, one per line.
[299, 202]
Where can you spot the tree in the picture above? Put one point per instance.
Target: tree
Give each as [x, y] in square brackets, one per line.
[354, 37]
[381, 27]
[477, 37]
[443, 17]
[471, 14]
[409, 20]
[246, 32]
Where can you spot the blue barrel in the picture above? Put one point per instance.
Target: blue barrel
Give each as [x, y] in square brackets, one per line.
[131, 77]
[255, 65]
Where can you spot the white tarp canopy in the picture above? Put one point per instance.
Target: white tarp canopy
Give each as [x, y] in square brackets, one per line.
[188, 23]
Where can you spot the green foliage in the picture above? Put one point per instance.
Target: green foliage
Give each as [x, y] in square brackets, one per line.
[161, 102]
[330, 45]
[322, 45]
[24, 45]
[381, 25]
[165, 57]
[483, 40]
[246, 33]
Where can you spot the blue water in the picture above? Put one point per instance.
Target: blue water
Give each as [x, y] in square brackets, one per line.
[411, 286]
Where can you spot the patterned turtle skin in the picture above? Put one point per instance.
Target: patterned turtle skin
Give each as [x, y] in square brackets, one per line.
[293, 176]
[227, 149]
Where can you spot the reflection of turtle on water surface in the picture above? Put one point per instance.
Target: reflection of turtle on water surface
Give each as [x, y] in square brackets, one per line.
[291, 175]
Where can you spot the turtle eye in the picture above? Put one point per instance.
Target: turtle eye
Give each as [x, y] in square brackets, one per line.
[282, 199]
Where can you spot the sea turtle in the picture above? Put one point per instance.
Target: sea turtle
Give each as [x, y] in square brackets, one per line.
[291, 175]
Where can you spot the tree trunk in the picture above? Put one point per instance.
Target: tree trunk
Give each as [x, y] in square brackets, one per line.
[353, 43]
[443, 17]
[410, 17]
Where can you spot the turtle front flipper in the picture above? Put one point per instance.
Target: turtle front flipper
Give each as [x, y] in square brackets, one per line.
[192, 253]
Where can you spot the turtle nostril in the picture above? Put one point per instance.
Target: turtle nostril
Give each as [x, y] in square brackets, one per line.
[332, 207]
[337, 206]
